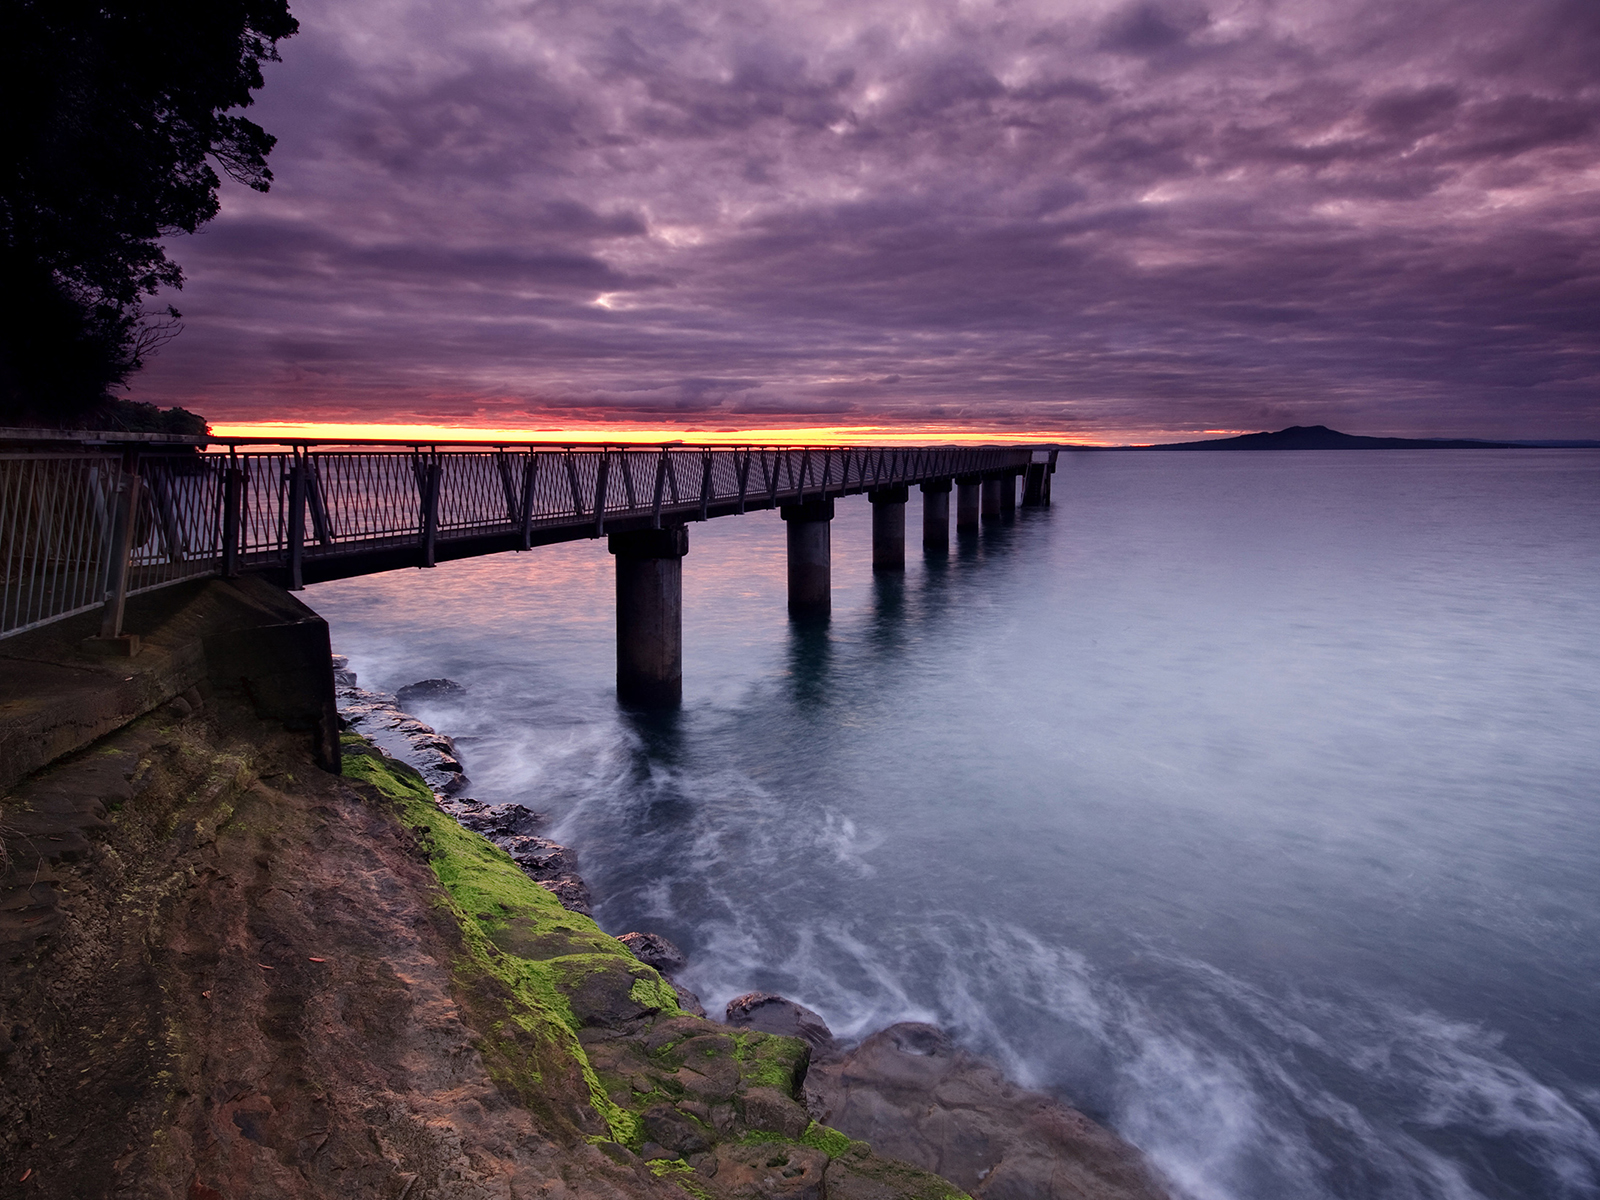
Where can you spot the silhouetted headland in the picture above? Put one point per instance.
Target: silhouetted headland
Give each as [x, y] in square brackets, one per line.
[1320, 437]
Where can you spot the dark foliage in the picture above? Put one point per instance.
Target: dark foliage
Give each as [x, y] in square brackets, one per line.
[114, 114]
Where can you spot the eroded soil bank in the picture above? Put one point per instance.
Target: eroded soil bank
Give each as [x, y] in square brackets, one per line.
[256, 978]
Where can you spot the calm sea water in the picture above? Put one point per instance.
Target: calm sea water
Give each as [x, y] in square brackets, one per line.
[1249, 802]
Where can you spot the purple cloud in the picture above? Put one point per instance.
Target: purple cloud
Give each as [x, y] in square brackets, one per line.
[1114, 217]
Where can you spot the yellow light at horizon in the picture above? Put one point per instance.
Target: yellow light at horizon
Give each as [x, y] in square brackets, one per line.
[807, 435]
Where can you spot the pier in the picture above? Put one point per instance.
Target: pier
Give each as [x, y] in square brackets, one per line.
[87, 521]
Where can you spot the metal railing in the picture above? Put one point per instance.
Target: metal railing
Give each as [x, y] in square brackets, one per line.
[85, 529]
[56, 516]
[79, 529]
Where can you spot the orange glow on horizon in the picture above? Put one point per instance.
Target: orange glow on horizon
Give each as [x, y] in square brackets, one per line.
[613, 434]
[808, 435]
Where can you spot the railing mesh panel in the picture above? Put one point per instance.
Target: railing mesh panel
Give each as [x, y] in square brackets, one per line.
[58, 510]
[55, 536]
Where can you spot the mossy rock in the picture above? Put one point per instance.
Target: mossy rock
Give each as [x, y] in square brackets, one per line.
[859, 1174]
[602, 990]
[775, 1170]
[568, 1011]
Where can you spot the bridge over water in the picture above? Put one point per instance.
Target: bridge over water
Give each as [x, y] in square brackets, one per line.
[86, 522]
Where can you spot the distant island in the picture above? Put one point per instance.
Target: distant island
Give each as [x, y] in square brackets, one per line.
[1320, 437]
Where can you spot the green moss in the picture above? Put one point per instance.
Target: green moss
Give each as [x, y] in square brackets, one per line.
[768, 1060]
[765, 1137]
[681, 1173]
[364, 761]
[830, 1141]
[818, 1136]
[654, 993]
[496, 905]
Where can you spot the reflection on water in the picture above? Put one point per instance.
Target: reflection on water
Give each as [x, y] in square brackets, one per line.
[810, 654]
[889, 632]
[1246, 801]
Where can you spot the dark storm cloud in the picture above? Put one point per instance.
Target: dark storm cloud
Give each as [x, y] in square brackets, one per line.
[1155, 215]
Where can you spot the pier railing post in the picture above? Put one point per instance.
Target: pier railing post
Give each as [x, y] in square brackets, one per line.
[888, 528]
[936, 516]
[650, 615]
[232, 515]
[530, 476]
[601, 477]
[124, 528]
[810, 554]
[432, 478]
[297, 522]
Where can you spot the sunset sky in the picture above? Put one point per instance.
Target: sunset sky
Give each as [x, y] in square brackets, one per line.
[1093, 221]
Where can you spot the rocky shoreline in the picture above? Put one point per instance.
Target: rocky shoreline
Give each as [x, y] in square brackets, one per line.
[908, 1089]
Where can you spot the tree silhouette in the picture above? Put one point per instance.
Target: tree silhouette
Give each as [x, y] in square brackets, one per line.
[114, 113]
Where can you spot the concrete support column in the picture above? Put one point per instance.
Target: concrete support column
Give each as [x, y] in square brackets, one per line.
[810, 558]
[1008, 495]
[1033, 485]
[888, 528]
[650, 615]
[936, 516]
[989, 499]
[967, 503]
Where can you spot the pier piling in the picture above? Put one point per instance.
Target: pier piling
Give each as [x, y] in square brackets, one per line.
[967, 504]
[936, 516]
[989, 499]
[888, 528]
[650, 615]
[1033, 486]
[810, 554]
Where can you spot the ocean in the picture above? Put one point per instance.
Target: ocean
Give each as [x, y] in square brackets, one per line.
[1246, 801]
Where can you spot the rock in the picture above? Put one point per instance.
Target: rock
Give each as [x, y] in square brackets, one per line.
[770, 1169]
[454, 776]
[378, 715]
[494, 821]
[677, 1131]
[857, 1174]
[774, 1014]
[768, 1108]
[573, 894]
[343, 676]
[617, 1153]
[427, 739]
[510, 826]
[656, 951]
[912, 1093]
[539, 858]
[430, 689]
[687, 1000]
[653, 950]
[604, 994]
